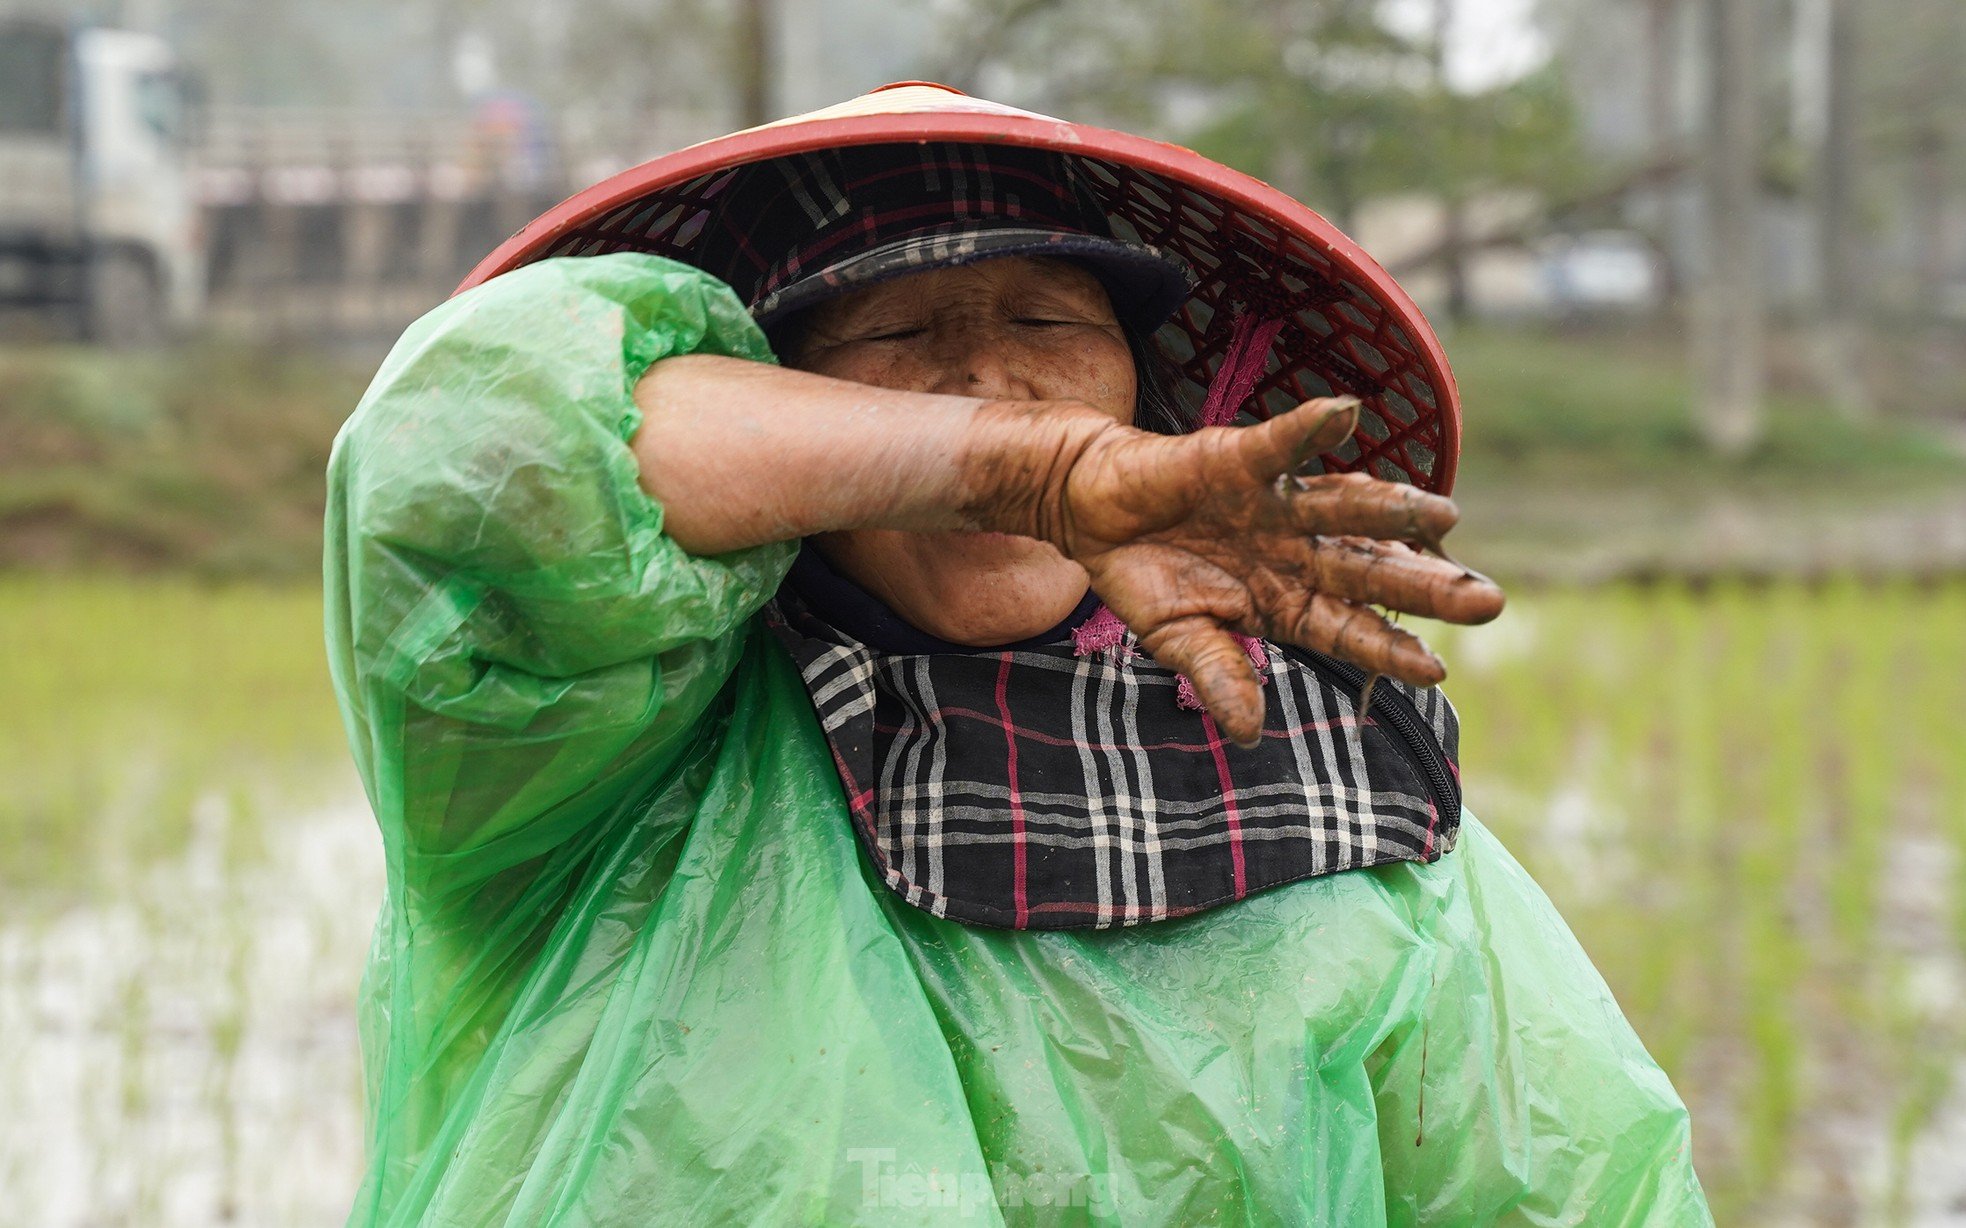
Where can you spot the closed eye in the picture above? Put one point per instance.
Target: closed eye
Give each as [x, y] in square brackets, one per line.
[899, 334]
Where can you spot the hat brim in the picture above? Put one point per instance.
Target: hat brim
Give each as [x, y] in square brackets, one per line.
[1348, 327]
[1144, 283]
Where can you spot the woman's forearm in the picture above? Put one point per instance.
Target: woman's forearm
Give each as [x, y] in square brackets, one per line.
[740, 453]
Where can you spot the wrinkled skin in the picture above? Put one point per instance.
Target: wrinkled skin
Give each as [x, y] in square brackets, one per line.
[1012, 329]
[1186, 538]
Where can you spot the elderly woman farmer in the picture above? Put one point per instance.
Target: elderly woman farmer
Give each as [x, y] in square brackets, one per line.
[924, 780]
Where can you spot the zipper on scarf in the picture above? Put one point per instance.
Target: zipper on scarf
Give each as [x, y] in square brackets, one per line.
[1399, 713]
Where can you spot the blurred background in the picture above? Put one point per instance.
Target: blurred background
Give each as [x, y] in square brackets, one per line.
[1700, 266]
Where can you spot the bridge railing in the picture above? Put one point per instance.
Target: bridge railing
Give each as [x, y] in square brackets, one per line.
[351, 222]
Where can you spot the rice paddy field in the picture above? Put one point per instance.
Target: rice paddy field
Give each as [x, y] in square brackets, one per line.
[1749, 800]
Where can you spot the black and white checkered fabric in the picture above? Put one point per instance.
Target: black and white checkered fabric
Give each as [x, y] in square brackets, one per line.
[1036, 789]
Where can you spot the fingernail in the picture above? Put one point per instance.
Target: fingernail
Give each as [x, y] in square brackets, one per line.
[1336, 422]
[1342, 408]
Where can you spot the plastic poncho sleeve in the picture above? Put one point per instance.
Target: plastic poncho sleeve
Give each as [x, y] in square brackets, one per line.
[520, 654]
[510, 630]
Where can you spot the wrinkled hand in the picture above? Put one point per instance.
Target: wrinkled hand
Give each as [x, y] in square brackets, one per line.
[1190, 537]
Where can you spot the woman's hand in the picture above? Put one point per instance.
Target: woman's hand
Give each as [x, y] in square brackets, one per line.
[1186, 537]
[1190, 537]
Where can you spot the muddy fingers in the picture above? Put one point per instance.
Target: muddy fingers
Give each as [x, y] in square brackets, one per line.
[1277, 448]
[1224, 680]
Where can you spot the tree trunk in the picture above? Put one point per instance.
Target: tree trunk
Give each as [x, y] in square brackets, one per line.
[756, 56]
[1929, 217]
[1453, 202]
[1729, 365]
[1661, 77]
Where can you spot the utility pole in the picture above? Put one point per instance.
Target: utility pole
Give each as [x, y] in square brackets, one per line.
[757, 55]
[1663, 137]
[1837, 228]
[1729, 365]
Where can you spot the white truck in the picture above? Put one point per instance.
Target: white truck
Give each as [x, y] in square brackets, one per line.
[100, 232]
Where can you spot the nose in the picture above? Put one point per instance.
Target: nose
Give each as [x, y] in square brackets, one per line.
[981, 362]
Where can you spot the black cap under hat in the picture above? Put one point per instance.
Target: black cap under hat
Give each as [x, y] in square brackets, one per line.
[793, 231]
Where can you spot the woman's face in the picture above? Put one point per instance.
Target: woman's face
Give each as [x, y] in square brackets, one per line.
[1014, 328]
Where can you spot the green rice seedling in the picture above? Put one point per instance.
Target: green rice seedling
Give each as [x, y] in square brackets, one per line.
[1748, 800]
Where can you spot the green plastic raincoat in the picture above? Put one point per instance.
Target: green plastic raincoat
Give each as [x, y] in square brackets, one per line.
[633, 968]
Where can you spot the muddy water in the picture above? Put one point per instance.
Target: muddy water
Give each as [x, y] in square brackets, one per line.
[185, 1052]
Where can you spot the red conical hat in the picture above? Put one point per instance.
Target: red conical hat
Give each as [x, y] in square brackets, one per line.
[1269, 271]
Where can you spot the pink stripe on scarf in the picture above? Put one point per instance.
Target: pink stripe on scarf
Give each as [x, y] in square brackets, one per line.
[1017, 842]
[1230, 812]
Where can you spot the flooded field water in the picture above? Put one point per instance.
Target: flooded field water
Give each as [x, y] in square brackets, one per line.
[1750, 803]
[187, 879]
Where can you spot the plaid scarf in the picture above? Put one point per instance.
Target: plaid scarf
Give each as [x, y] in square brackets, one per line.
[1030, 787]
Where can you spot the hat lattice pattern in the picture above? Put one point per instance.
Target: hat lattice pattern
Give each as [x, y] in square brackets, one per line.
[1337, 338]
